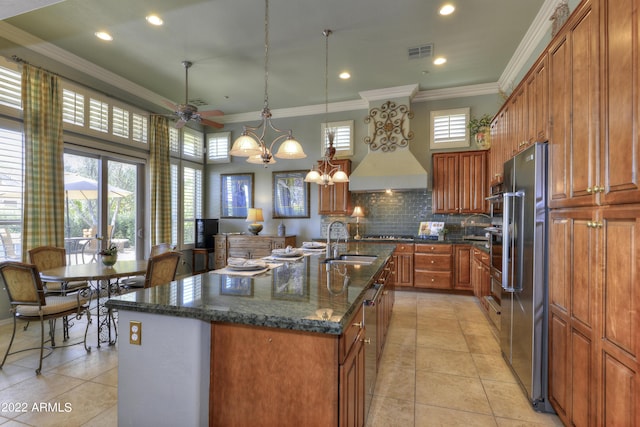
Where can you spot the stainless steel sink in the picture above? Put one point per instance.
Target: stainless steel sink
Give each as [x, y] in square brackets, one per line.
[352, 259]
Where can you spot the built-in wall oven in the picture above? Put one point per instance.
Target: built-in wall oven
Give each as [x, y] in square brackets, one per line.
[495, 254]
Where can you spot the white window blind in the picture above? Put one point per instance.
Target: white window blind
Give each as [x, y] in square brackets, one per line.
[10, 88]
[343, 141]
[120, 122]
[72, 107]
[11, 185]
[98, 115]
[174, 203]
[140, 128]
[218, 147]
[192, 201]
[174, 141]
[192, 143]
[449, 128]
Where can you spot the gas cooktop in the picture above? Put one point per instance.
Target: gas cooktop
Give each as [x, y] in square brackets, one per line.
[386, 237]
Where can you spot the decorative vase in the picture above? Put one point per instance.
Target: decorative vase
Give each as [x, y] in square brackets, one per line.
[483, 139]
[109, 260]
[282, 230]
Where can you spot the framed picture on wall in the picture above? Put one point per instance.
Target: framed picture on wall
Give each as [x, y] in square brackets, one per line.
[236, 194]
[290, 195]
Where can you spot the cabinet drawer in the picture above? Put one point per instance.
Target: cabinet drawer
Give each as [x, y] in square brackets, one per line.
[350, 334]
[406, 248]
[432, 262]
[239, 253]
[432, 279]
[433, 249]
[481, 256]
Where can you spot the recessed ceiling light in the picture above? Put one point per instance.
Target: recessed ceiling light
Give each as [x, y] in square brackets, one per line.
[440, 60]
[154, 20]
[345, 75]
[103, 35]
[447, 9]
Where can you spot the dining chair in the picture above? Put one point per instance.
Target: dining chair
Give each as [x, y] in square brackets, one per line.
[138, 281]
[46, 257]
[29, 302]
[162, 269]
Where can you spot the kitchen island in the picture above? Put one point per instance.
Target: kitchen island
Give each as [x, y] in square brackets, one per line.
[284, 347]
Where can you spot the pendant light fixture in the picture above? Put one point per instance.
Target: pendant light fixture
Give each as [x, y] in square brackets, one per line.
[326, 173]
[252, 143]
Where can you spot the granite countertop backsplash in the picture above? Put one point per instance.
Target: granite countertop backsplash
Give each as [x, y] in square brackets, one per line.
[306, 295]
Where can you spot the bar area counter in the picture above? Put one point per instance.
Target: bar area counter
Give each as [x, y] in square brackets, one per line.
[279, 348]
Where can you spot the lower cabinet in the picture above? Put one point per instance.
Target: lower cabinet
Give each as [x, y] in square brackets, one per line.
[463, 255]
[247, 246]
[432, 266]
[323, 374]
[481, 276]
[403, 265]
[594, 322]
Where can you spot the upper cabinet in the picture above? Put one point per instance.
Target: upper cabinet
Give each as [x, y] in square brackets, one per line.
[574, 179]
[335, 199]
[460, 182]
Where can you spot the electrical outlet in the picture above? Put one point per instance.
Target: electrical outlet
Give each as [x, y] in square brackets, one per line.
[135, 332]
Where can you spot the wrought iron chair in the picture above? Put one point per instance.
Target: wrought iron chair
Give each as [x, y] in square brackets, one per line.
[29, 303]
[162, 269]
[46, 257]
[138, 281]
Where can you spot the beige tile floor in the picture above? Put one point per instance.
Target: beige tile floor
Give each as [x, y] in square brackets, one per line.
[441, 367]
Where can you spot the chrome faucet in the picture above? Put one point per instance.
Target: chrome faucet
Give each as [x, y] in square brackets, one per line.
[328, 255]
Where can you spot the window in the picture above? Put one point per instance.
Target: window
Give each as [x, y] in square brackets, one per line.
[139, 131]
[10, 88]
[98, 115]
[120, 122]
[449, 128]
[218, 147]
[192, 144]
[343, 141]
[72, 107]
[11, 190]
[192, 201]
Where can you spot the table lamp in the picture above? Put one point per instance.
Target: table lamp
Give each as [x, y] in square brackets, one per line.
[357, 214]
[255, 216]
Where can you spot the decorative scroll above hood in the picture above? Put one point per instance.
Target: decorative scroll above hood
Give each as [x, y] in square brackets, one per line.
[389, 164]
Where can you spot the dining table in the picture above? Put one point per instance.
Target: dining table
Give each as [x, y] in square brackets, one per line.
[104, 281]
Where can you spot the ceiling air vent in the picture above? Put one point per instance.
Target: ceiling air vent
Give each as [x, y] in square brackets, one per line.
[198, 102]
[424, 51]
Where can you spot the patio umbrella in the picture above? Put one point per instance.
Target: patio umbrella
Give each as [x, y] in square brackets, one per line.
[77, 187]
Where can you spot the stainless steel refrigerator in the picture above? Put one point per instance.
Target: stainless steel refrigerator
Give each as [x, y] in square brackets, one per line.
[524, 329]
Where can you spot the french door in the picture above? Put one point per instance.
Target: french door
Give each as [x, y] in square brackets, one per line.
[103, 200]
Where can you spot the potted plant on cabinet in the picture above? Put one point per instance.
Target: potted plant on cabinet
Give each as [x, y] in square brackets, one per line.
[479, 129]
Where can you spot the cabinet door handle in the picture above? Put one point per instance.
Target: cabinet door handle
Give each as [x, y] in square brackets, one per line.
[367, 340]
[359, 325]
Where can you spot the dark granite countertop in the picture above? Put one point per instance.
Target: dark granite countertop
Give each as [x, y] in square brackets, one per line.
[293, 296]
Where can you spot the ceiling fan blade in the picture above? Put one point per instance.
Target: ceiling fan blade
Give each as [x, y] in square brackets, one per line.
[171, 105]
[211, 113]
[211, 123]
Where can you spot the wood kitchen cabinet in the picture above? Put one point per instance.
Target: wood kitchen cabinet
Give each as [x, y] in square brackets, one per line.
[463, 256]
[335, 199]
[432, 266]
[594, 327]
[460, 182]
[247, 246]
[403, 265]
[481, 276]
[574, 110]
[537, 111]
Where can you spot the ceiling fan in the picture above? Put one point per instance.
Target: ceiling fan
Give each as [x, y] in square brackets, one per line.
[185, 112]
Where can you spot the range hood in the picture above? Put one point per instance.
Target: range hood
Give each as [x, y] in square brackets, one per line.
[395, 170]
[389, 164]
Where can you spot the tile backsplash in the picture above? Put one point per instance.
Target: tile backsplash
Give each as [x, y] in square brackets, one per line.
[397, 213]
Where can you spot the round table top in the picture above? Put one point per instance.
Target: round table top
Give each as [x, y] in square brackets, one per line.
[95, 271]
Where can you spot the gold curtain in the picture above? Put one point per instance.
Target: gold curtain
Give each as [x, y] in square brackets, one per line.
[160, 172]
[43, 212]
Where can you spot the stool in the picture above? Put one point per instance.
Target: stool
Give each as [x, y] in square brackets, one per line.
[200, 251]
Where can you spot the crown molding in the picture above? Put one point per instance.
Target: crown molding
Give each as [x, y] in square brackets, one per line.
[537, 31]
[389, 93]
[308, 110]
[457, 92]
